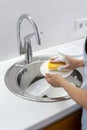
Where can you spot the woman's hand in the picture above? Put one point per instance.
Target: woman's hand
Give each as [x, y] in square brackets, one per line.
[70, 63]
[54, 79]
[73, 63]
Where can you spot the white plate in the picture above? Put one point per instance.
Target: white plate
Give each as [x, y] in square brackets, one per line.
[44, 69]
[38, 88]
[56, 92]
[71, 50]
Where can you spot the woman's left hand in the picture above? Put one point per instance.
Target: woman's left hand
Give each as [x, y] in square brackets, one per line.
[54, 79]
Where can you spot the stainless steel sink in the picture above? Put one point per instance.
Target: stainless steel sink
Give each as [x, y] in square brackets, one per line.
[20, 76]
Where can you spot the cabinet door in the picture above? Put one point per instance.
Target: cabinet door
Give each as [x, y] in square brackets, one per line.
[71, 122]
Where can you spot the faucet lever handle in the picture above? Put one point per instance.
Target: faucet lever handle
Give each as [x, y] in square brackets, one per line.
[27, 37]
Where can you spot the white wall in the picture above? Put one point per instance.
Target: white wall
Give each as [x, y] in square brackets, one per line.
[55, 18]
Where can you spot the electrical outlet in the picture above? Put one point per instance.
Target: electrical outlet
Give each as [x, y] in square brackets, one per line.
[81, 25]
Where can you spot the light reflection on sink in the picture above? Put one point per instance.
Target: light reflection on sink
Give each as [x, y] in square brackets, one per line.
[19, 77]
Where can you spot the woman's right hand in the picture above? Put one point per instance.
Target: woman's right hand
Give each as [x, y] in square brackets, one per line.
[70, 62]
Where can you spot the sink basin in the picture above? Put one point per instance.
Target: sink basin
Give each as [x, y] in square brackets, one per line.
[21, 76]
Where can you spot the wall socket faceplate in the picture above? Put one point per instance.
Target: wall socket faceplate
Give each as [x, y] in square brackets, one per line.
[80, 28]
[81, 25]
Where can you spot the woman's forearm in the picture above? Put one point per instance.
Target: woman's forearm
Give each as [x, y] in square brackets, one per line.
[80, 63]
[77, 94]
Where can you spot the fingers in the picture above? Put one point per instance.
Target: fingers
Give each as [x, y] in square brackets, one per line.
[47, 75]
[58, 59]
[63, 68]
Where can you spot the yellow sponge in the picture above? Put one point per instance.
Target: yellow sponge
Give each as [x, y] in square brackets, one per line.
[55, 65]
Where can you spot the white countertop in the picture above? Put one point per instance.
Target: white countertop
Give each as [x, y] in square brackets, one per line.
[20, 114]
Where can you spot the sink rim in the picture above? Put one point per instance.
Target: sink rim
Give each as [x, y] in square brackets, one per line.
[22, 94]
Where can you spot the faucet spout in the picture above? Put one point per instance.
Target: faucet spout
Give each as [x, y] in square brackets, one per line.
[25, 46]
[27, 43]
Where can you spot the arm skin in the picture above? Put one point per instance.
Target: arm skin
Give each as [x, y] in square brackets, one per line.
[77, 94]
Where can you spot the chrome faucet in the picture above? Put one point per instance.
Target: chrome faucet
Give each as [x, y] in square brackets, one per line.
[25, 46]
